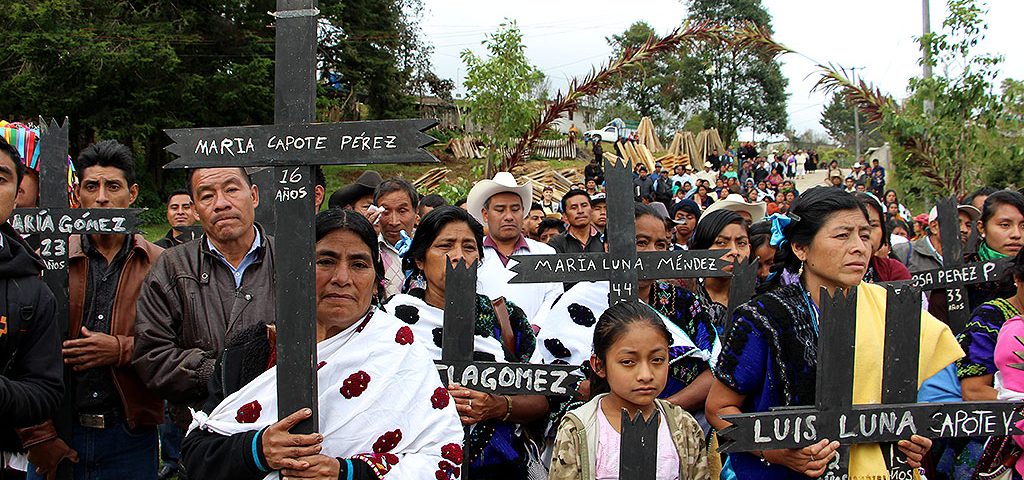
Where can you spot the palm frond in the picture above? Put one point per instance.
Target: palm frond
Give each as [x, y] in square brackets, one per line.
[746, 37]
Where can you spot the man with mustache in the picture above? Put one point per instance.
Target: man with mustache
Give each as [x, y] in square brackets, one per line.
[203, 292]
[179, 214]
[501, 205]
[114, 417]
[581, 236]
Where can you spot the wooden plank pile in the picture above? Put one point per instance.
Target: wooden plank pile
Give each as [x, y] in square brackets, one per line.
[637, 153]
[428, 182]
[465, 147]
[682, 151]
[561, 181]
[707, 142]
[647, 136]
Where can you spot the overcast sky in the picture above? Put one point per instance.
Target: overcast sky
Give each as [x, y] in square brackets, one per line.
[566, 39]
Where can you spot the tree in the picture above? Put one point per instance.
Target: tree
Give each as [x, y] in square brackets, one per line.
[943, 149]
[837, 119]
[733, 89]
[500, 90]
[127, 70]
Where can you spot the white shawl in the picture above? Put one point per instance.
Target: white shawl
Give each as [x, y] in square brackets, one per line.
[427, 321]
[403, 394]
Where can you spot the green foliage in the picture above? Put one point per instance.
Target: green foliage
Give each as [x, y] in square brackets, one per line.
[1004, 142]
[453, 191]
[649, 90]
[841, 155]
[733, 89]
[501, 90]
[948, 149]
[127, 70]
[837, 119]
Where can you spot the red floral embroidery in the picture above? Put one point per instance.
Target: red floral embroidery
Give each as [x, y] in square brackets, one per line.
[355, 384]
[391, 458]
[249, 412]
[452, 452]
[387, 441]
[440, 398]
[445, 471]
[320, 365]
[404, 336]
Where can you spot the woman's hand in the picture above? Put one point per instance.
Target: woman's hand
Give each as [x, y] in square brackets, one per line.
[915, 449]
[320, 466]
[810, 460]
[286, 451]
[474, 406]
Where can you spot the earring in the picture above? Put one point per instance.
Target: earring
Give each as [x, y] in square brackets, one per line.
[800, 271]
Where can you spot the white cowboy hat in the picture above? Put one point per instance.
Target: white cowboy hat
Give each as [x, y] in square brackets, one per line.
[735, 203]
[503, 182]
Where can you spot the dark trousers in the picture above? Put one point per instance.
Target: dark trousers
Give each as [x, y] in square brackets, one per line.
[170, 441]
[113, 453]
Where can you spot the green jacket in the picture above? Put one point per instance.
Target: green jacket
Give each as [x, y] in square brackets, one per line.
[575, 449]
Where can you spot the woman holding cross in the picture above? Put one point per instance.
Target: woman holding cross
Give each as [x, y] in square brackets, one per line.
[769, 350]
[382, 408]
[495, 446]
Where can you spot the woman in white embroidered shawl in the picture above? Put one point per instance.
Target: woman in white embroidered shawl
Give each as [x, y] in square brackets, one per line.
[383, 411]
[495, 447]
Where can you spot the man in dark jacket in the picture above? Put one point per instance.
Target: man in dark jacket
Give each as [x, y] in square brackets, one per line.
[114, 417]
[180, 215]
[31, 382]
[201, 293]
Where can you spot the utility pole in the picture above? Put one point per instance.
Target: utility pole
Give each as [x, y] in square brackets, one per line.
[856, 120]
[926, 49]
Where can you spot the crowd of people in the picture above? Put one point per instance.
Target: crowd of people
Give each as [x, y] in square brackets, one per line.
[170, 349]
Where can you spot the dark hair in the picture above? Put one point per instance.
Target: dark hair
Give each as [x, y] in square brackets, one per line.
[333, 219]
[1016, 269]
[396, 185]
[613, 324]
[814, 208]
[710, 225]
[893, 223]
[192, 172]
[986, 191]
[1002, 197]
[19, 167]
[574, 193]
[176, 192]
[886, 195]
[460, 202]
[536, 206]
[873, 202]
[548, 223]
[108, 153]
[319, 177]
[433, 201]
[430, 227]
[759, 233]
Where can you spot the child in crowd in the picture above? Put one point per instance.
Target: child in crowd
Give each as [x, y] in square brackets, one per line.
[630, 369]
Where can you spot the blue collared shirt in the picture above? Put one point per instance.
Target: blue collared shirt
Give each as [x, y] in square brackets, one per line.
[249, 259]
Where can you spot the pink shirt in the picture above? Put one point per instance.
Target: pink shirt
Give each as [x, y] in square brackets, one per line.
[1012, 378]
[607, 465]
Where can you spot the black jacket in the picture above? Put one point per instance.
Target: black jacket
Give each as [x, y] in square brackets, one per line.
[31, 371]
[212, 456]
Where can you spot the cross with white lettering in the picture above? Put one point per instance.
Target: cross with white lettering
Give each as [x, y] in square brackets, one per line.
[835, 417]
[292, 145]
[54, 222]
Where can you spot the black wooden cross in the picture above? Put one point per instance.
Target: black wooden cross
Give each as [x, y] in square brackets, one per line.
[834, 416]
[622, 266]
[743, 284]
[638, 446]
[500, 378]
[954, 273]
[55, 222]
[291, 146]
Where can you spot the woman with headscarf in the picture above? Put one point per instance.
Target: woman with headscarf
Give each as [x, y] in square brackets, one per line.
[382, 409]
[720, 229]
[495, 446]
[769, 351]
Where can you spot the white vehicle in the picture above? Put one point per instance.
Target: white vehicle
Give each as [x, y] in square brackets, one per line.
[611, 133]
